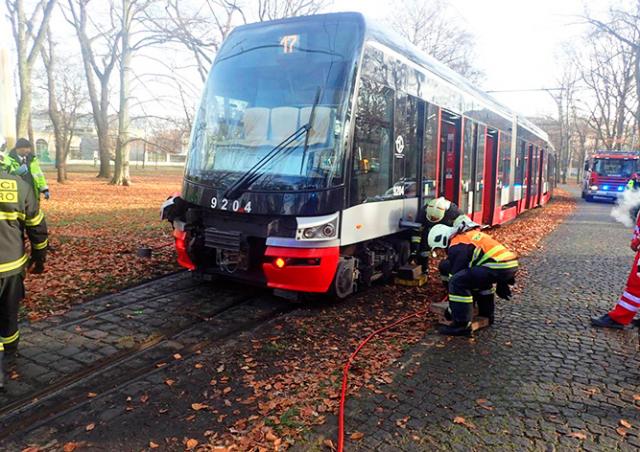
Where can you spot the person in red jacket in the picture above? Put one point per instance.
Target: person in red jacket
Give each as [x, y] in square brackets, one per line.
[627, 306]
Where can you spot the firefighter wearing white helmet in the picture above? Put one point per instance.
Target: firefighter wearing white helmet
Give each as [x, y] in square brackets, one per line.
[438, 211]
[475, 262]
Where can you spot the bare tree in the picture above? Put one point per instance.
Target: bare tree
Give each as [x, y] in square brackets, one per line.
[66, 98]
[97, 64]
[203, 28]
[29, 36]
[607, 72]
[277, 9]
[430, 25]
[624, 26]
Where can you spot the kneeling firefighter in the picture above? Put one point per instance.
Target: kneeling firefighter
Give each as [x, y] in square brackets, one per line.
[475, 262]
[18, 212]
[438, 211]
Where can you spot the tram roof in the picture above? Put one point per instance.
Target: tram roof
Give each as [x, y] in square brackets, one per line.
[377, 31]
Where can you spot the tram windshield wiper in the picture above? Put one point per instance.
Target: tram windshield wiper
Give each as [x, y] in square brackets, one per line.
[254, 173]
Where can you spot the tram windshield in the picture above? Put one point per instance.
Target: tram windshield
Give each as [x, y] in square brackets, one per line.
[264, 85]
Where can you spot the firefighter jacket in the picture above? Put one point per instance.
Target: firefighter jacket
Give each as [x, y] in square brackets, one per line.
[34, 175]
[452, 217]
[474, 248]
[19, 211]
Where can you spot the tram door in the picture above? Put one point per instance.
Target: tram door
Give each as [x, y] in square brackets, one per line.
[479, 177]
[527, 177]
[490, 162]
[450, 157]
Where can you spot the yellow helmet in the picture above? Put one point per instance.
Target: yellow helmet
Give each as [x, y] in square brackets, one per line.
[436, 208]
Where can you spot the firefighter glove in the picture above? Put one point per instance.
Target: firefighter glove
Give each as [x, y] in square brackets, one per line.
[503, 290]
[46, 195]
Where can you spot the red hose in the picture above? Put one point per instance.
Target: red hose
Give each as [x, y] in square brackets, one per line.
[345, 373]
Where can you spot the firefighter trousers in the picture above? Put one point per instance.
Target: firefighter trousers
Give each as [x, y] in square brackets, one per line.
[474, 285]
[629, 302]
[11, 293]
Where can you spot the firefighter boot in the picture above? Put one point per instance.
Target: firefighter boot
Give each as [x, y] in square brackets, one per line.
[461, 314]
[456, 329]
[606, 322]
[486, 305]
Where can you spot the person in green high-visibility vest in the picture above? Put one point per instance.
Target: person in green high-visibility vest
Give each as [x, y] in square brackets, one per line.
[21, 161]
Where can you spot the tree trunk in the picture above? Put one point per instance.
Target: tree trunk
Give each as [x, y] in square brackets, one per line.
[121, 172]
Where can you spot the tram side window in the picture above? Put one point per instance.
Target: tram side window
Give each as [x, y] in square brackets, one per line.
[372, 148]
[405, 161]
[430, 153]
[520, 162]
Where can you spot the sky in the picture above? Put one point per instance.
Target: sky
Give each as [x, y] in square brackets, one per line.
[517, 42]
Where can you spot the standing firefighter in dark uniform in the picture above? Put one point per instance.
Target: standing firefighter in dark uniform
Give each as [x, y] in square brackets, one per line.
[19, 211]
[438, 211]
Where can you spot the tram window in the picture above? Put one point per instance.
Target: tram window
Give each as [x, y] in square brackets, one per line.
[405, 161]
[399, 73]
[467, 151]
[520, 160]
[372, 146]
[430, 153]
[374, 66]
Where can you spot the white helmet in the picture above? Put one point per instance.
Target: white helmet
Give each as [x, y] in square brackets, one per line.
[439, 236]
[436, 209]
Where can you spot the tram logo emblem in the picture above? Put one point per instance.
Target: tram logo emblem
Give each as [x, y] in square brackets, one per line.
[399, 147]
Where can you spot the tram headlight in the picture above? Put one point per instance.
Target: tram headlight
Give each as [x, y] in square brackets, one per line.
[593, 188]
[321, 232]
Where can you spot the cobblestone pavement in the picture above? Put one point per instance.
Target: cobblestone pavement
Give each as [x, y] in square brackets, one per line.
[103, 348]
[540, 379]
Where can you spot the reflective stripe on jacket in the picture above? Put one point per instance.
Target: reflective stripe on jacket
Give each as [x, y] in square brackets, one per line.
[488, 252]
[19, 213]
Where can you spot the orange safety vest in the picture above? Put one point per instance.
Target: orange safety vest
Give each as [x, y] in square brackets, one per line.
[488, 253]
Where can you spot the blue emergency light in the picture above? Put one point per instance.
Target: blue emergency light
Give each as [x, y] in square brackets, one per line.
[620, 188]
[605, 187]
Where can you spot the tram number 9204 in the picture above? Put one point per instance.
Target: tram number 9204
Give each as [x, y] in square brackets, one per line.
[233, 206]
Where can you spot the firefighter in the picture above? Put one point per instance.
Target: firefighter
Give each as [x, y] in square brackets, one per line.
[21, 161]
[18, 212]
[438, 211]
[634, 182]
[475, 262]
[627, 306]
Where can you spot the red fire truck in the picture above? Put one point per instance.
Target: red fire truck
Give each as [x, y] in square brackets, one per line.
[606, 174]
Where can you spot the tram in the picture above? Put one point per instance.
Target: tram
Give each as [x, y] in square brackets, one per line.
[319, 138]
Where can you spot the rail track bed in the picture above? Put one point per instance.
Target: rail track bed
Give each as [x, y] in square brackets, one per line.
[98, 348]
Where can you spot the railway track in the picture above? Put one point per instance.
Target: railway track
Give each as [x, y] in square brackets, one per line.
[238, 311]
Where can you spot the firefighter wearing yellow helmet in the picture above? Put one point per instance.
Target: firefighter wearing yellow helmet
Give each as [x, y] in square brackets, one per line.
[438, 211]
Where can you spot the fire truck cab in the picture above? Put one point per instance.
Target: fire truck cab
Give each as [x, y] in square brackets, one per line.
[606, 174]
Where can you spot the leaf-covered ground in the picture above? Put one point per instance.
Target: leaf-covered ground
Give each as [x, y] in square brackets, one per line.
[292, 369]
[95, 231]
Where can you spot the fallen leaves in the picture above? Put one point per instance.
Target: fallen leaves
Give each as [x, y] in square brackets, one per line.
[191, 443]
[357, 436]
[579, 435]
[624, 423]
[90, 426]
[169, 382]
[153, 445]
[199, 406]
[459, 420]
[95, 229]
[69, 447]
